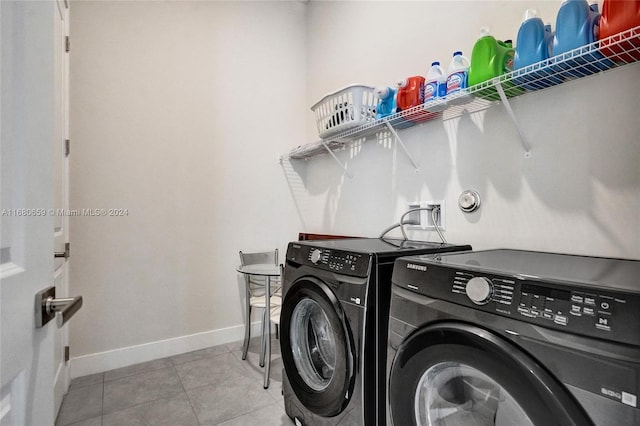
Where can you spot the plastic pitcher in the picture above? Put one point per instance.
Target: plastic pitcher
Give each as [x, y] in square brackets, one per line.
[577, 26]
[458, 78]
[533, 45]
[619, 16]
[491, 58]
[386, 102]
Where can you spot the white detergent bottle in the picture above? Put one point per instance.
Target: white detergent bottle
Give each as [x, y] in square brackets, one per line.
[457, 78]
[436, 79]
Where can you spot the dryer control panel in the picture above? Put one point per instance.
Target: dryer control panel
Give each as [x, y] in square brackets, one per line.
[342, 262]
[590, 311]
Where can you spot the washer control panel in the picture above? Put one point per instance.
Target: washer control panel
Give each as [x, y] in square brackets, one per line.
[559, 306]
[338, 261]
[581, 309]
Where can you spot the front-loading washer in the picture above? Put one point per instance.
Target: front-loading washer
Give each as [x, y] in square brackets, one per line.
[334, 322]
[509, 337]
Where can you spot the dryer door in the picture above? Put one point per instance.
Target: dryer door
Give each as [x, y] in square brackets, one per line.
[458, 374]
[317, 347]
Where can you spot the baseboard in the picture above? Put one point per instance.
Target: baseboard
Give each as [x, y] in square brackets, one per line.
[123, 357]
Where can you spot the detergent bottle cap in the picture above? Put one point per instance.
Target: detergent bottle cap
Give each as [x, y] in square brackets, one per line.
[382, 91]
[457, 53]
[484, 31]
[403, 83]
[530, 14]
[435, 63]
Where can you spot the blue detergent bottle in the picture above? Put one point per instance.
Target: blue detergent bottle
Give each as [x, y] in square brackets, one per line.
[533, 45]
[386, 102]
[577, 26]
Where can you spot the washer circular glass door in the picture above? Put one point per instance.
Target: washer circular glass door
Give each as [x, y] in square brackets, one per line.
[451, 393]
[458, 374]
[313, 344]
[317, 347]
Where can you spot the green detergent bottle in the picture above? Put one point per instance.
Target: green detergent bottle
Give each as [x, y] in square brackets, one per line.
[491, 58]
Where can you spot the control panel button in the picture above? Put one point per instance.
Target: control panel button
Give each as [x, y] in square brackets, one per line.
[603, 322]
[605, 305]
[590, 300]
[577, 298]
[588, 311]
[561, 320]
[479, 290]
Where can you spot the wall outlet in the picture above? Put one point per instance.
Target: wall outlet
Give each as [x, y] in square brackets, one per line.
[423, 219]
[439, 216]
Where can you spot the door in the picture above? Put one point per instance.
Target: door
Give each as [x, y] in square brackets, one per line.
[457, 374]
[27, 126]
[61, 192]
[318, 350]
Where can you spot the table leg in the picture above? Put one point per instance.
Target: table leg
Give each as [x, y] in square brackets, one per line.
[268, 333]
[247, 324]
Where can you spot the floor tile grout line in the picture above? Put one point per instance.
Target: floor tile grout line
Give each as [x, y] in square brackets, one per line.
[140, 404]
[60, 423]
[138, 373]
[74, 387]
[188, 397]
[198, 359]
[145, 402]
[244, 414]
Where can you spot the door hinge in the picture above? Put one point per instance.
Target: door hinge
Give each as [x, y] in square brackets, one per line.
[67, 147]
[66, 354]
[66, 253]
[67, 44]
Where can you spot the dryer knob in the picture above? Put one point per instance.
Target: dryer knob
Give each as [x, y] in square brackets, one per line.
[479, 290]
[315, 255]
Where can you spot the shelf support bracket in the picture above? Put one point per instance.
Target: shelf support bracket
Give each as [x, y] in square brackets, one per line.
[342, 166]
[402, 145]
[507, 106]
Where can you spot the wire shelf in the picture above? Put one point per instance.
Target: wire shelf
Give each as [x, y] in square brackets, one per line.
[611, 52]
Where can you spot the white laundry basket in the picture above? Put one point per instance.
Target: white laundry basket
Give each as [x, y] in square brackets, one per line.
[344, 109]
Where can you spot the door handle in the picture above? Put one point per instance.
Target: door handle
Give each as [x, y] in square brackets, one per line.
[47, 305]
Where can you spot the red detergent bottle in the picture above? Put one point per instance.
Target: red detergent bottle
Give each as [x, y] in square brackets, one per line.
[411, 94]
[619, 16]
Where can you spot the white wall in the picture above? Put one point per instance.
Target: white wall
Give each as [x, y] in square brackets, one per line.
[179, 111]
[579, 193]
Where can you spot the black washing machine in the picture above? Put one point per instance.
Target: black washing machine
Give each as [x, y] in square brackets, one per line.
[508, 337]
[334, 327]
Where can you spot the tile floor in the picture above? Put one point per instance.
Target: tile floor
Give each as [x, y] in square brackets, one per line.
[213, 386]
